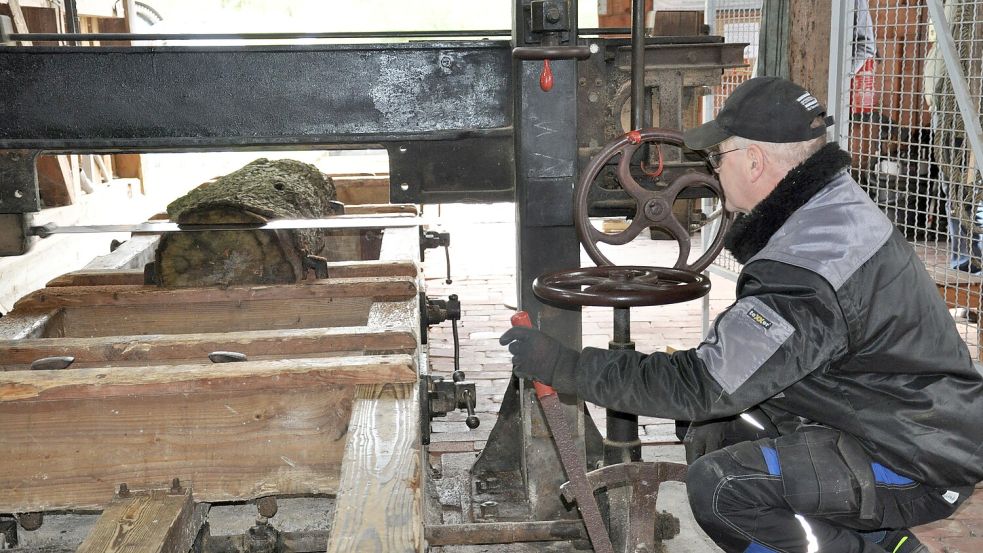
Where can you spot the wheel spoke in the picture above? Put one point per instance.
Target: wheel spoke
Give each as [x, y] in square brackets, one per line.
[636, 227]
[676, 230]
[581, 280]
[628, 182]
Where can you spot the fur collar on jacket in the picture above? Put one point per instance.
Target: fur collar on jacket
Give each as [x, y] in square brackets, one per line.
[751, 232]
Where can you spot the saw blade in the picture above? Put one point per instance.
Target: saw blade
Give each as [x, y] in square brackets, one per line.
[153, 227]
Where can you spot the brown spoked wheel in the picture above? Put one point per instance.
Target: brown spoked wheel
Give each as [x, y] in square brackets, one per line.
[653, 208]
[626, 286]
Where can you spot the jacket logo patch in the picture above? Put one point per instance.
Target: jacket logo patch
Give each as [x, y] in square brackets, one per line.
[759, 318]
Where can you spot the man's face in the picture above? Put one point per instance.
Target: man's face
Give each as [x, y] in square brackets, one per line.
[730, 164]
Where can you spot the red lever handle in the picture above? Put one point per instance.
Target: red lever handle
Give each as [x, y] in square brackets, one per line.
[521, 318]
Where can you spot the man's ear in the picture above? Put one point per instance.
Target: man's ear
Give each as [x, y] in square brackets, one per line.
[755, 162]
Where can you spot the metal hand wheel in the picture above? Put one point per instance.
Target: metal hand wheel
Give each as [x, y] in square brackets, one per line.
[626, 286]
[653, 208]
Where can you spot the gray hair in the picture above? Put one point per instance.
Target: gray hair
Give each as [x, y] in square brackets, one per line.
[787, 154]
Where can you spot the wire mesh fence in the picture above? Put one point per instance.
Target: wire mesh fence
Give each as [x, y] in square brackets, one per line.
[908, 135]
[738, 21]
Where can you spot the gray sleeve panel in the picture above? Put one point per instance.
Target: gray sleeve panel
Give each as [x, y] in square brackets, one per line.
[833, 234]
[741, 341]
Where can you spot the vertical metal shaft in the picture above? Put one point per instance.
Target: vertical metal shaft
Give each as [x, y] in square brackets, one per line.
[637, 64]
[622, 428]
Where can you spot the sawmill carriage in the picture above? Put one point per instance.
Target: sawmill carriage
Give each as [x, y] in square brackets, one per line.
[159, 403]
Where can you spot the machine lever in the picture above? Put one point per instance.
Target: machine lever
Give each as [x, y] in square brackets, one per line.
[551, 52]
[433, 239]
[573, 463]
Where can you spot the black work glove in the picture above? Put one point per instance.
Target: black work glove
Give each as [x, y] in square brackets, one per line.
[704, 437]
[709, 436]
[541, 358]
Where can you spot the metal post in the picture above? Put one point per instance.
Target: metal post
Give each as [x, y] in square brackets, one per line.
[622, 445]
[837, 103]
[637, 64]
[710, 19]
[545, 173]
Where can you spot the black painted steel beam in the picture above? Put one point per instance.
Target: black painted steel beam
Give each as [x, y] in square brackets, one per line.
[185, 98]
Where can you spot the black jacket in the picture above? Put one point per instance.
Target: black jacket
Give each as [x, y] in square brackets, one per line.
[836, 322]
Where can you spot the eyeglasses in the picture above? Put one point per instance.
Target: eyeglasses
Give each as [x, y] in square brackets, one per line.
[713, 160]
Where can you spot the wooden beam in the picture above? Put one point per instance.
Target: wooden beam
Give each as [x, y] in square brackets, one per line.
[808, 36]
[400, 244]
[55, 181]
[98, 277]
[379, 289]
[20, 24]
[379, 505]
[271, 375]
[156, 521]
[129, 350]
[134, 253]
[17, 326]
[336, 269]
[361, 189]
[234, 433]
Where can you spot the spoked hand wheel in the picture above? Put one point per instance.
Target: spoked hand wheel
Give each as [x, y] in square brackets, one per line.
[625, 286]
[653, 208]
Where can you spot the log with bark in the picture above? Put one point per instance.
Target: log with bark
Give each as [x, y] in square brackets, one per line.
[262, 190]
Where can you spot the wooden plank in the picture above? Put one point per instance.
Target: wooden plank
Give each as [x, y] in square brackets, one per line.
[227, 316]
[400, 244]
[32, 3]
[361, 189]
[18, 354]
[336, 269]
[233, 433]
[99, 277]
[155, 521]
[271, 375]
[55, 181]
[134, 253]
[20, 24]
[380, 289]
[379, 504]
[17, 326]
[373, 268]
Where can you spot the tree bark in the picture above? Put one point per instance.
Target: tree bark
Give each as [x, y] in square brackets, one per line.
[260, 191]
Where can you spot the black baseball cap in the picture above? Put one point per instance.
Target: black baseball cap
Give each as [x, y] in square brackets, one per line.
[768, 109]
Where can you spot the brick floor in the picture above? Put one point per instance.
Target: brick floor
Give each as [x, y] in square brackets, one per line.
[483, 269]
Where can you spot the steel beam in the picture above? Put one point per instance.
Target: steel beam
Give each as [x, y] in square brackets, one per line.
[428, 103]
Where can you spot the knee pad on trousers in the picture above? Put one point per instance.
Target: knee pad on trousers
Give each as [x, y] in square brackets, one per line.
[702, 479]
[707, 488]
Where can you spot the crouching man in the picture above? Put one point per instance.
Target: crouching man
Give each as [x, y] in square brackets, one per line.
[863, 412]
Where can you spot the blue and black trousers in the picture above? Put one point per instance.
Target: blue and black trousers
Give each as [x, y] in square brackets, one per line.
[799, 493]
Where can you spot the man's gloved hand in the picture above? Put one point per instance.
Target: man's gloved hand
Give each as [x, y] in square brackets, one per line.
[541, 358]
[704, 437]
[709, 436]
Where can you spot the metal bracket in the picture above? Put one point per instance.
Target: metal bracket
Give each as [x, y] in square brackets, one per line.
[14, 238]
[19, 182]
[439, 396]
